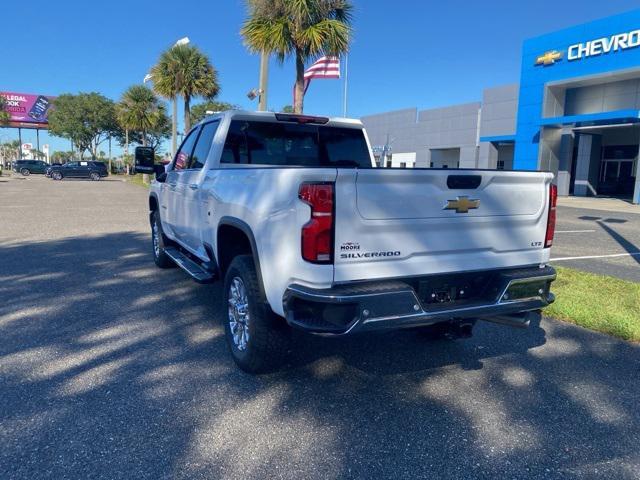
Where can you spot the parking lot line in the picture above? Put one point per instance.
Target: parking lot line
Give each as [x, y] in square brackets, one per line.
[586, 257]
[575, 231]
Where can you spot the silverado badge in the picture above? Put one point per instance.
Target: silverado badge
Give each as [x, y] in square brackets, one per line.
[462, 204]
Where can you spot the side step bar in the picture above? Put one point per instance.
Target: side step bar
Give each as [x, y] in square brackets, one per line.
[195, 270]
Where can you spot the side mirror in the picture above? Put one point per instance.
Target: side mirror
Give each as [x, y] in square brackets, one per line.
[158, 169]
[144, 160]
[161, 176]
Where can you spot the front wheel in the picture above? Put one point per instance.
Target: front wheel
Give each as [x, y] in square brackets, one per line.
[25, 172]
[159, 241]
[257, 339]
[56, 176]
[95, 176]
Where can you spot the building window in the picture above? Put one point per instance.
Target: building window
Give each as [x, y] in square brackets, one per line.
[500, 165]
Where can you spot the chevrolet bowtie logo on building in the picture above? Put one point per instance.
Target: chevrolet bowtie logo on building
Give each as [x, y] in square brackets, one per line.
[549, 58]
[462, 205]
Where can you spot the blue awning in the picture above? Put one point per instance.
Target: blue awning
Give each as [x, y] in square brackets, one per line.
[594, 119]
[499, 139]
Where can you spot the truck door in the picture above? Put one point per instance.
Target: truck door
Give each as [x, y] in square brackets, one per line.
[173, 215]
[70, 169]
[191, 202]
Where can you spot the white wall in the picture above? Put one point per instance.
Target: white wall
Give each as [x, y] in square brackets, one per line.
[449, 157]
[409, 158]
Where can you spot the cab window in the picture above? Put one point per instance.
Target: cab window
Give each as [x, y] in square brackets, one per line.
[183, 157]
[203, 145]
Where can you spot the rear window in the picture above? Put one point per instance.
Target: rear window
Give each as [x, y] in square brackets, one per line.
[296, 145]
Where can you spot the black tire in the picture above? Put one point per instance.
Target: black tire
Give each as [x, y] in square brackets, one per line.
[268, 340]
[95, 176]
[158, 243]
[56, 175]
[25, 172]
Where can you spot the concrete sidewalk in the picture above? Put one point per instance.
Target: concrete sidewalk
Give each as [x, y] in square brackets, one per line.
[605, 204]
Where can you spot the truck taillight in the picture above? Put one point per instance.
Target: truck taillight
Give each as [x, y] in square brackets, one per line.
[551, 220]
[317, 233]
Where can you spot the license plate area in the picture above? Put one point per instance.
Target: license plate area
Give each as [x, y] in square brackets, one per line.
[456, 289]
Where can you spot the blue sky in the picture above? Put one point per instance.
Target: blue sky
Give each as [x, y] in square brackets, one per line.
[405, 53]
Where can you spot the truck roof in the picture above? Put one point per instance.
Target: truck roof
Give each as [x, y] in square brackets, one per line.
[273, 116]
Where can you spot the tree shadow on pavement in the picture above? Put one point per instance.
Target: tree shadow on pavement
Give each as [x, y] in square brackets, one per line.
[111, 368]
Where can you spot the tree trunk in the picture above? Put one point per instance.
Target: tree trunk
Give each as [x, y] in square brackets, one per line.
[174, 126]
[109, 167]
[187, 114]
[126, 150]
[298, 106]
[145, 176]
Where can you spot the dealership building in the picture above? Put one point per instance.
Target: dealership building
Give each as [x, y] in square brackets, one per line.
[575, 112]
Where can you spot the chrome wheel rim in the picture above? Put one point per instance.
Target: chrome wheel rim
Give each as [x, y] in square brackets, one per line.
[155, 235]
[239, 314]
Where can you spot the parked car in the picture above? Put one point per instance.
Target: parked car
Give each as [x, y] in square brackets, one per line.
[291, 213]
[92, 170]
[47, 172]
[27, 167]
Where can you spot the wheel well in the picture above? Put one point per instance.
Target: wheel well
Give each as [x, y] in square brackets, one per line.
[232, 242]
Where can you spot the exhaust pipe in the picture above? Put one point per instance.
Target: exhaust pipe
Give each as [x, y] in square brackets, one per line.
[517, 320]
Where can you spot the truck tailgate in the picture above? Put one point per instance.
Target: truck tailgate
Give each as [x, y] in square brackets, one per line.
[398, 223]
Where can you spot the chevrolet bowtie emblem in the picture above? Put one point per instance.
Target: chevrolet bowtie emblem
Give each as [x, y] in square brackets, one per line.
[549, 58]
[462, 204]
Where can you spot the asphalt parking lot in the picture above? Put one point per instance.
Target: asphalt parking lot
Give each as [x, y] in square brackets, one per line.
[599, 241]
[110, 368]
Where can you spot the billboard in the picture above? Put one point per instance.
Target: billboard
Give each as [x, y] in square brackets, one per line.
[27, 110]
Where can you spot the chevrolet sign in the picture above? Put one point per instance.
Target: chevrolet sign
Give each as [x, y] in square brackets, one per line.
[592, 48]
[599, 46]
[549, 58]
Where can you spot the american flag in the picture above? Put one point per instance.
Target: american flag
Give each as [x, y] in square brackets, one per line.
[324, 67]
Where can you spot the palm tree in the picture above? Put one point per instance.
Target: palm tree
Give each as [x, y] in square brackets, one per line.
[303, 29]
[183, 70]
[138, 110]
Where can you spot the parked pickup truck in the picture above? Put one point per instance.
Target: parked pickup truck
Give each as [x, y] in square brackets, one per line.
[291, 213]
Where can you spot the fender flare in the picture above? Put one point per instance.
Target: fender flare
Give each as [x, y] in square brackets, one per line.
[155, 197]
[246, 229]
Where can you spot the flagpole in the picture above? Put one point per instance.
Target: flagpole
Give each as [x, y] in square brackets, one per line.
[346, 84]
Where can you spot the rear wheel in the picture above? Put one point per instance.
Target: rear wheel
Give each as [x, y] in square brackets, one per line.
[25, 172]
[257, 339]
[159, 242]
[95, 176]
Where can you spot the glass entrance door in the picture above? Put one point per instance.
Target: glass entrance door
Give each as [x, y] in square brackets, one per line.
[617, 169]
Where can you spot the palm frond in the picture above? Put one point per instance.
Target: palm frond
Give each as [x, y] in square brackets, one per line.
[327, 37]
